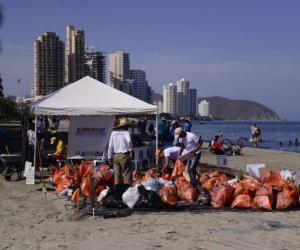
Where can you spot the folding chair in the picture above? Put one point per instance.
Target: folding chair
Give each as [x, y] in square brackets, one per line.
[136, 157]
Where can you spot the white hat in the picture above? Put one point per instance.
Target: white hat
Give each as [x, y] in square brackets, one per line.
[178, 131]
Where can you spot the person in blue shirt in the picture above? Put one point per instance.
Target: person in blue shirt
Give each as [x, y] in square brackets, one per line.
[162, 130]
[187, 125]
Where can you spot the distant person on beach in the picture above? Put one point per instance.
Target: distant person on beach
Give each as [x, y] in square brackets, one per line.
[215, 146]
[46, 123]
[254, 132]
[259, 134]
[139, 127]
[290, 142]
[31, 142]
[152, 145]
[162, 130]
[60, 153]
[221, 133]
[172, 133]
[119, 152]
[144, 126]
[151, 129]
[190, 143]
[280, 143]
[53, 128]
[296, 142]
[41, 129]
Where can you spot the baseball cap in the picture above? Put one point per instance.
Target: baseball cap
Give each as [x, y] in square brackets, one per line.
[178, 131]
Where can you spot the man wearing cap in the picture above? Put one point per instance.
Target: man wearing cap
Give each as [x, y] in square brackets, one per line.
[170, 154]
[189, 142]
[119, 151]
[61, 150]
[162, 130]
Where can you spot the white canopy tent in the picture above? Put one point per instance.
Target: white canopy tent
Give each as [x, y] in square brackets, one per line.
[90, 97]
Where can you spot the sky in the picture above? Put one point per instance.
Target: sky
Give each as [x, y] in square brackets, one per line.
[241, 50]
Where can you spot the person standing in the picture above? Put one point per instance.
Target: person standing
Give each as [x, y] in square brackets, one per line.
[31, 142]
[162, 130]
[151, 129]
[53, 128]
[190, 143]
[119, 152]
[221, 133]
[41, 129]
[254, 132]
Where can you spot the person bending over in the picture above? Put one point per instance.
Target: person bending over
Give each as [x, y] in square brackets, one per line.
[170, 155]
[61, 151]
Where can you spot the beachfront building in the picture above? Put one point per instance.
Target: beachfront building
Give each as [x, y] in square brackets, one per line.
[140, 86]
[170, 99]
[118, 68]
[48, 64]
[183, 104]
[74, 57]
[193, 102]
[95, 64]
[203, 108]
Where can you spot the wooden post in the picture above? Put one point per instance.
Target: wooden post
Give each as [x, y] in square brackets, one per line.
[78, 192]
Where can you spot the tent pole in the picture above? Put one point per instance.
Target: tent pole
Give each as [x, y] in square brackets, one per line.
[156, 134]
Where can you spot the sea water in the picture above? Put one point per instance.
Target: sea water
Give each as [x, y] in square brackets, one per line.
[272, 132]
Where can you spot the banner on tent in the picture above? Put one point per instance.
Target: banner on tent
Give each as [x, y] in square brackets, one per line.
[89, 136]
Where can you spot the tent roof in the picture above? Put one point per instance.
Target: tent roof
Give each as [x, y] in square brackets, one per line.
[89, 97]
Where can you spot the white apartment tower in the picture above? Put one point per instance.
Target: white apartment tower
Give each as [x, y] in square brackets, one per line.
[118, 67]
[169, 98]
[193, 102]
[48, 64]
[203, 108]
[74, 58]
[183, 104]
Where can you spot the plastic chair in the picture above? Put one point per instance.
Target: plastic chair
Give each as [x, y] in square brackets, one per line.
[145, 154]
[136, 157]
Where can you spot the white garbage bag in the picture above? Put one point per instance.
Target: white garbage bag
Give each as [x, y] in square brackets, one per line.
[131, 196]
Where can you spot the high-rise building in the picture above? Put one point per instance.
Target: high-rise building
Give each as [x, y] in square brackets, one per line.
[193, 102]
[118, 67]
[48, 64]
[95, 65]
[140, 86]
[74, 58]
[203, 108]
[183, 104]
[170, 99]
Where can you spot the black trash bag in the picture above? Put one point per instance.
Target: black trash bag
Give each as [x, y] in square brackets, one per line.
[113, 197]
[204, 197]
[148, 198]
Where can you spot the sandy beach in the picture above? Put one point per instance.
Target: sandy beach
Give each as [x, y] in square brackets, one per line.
[30, 219]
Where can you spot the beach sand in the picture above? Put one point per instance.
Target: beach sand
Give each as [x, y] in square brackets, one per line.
[30, 219]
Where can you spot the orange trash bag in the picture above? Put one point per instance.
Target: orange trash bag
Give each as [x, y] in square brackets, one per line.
[251, 185]
[177, 170]
[168, 196]
[286, 199]
[74, 196]
[264, 197]
[243, 200]
[63, 184]
[274, 179]
[106, 172]
[210, 183]
[220, 194]
[85, 187]
[185, 190]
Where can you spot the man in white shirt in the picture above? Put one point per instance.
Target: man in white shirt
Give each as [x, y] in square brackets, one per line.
[170, 154]
[119, 151]
[189, 142]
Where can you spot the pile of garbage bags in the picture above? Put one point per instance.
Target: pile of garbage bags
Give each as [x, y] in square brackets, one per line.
[151, 190]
